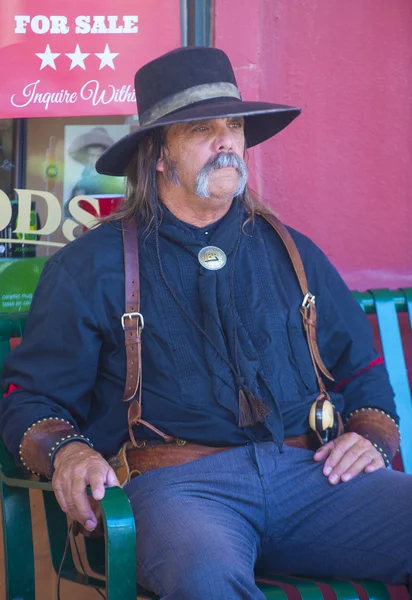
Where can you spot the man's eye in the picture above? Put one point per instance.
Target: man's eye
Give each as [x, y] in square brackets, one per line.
[200, 128]
[237, 124]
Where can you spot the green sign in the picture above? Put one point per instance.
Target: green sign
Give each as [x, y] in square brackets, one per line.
[18, 280]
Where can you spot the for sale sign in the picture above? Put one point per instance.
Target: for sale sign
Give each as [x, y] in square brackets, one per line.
[69, 59]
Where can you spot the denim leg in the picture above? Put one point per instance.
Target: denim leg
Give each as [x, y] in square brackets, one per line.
[198, 528]
[358, 529]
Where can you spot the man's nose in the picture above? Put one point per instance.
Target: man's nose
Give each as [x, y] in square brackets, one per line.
[223, 141]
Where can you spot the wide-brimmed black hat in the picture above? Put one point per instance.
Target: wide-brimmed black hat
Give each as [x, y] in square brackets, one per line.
[191, 84]
[97, 136]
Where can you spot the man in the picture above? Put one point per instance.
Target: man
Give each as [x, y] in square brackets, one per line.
[86, 149]
[221, 430]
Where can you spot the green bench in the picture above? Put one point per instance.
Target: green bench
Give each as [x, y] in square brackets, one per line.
[114, 558]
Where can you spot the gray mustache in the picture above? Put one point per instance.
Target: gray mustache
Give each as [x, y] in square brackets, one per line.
[223, 160]
[220, 161]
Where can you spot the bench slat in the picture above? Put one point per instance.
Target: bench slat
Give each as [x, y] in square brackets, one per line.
[395, 363]
[307, 588]
[408, 295]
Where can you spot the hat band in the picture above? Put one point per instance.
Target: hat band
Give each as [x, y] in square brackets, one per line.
[206, 91]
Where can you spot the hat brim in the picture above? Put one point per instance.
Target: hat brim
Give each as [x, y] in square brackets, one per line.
[262, 121]
[77, 149]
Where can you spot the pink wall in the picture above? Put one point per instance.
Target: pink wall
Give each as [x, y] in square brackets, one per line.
[342, 172]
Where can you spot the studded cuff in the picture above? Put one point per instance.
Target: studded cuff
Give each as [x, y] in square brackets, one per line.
[379, 428]
[42, 440]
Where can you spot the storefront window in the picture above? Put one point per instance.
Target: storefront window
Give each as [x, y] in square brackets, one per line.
[19, 274]
[61, 196]
[61, 156]
[6, 174]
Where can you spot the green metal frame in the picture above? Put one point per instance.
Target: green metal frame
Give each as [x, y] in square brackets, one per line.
[118, 547]
[115, 556]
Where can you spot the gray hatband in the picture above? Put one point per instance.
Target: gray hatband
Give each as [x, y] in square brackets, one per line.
[206, 91]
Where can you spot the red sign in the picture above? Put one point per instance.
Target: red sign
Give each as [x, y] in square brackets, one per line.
[68, 59]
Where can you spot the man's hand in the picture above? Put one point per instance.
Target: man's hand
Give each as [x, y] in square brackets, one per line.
[76, 465]
[347, 456]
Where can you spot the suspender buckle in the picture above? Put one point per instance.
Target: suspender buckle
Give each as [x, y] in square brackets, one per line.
[130, 316]
[308, 300]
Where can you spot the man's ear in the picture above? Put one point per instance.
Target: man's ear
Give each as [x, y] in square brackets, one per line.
[246, 154]
[160, 164]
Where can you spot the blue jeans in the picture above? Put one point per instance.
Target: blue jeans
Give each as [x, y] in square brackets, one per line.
[204, 527]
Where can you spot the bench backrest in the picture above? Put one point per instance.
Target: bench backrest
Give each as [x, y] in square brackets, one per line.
[386, 304]
[396, 344]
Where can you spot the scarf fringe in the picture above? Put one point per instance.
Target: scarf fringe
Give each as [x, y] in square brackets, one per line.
[251, 409]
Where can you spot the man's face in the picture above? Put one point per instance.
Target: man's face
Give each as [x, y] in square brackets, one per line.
[93, 153]
[206, 157]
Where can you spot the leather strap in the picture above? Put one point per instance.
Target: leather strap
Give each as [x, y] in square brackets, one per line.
[132, 461]
[307, 308]
[133, 322]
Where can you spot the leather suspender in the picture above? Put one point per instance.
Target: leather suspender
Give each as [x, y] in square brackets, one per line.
[307, 308]
[133, 322]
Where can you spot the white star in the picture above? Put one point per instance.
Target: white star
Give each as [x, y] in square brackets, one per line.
[47, 58]
[106, 58]
[77, 57]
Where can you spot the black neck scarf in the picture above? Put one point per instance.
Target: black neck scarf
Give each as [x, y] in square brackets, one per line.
[218, 323]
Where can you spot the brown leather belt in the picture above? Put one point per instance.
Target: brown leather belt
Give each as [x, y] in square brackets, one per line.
[132, 461]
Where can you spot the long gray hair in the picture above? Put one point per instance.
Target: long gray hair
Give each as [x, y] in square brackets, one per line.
[140, 181]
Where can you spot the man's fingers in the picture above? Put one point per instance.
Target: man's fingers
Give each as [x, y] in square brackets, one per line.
[111, 479]
[353, 463]
[378, 463]
[343, 445]
[60, 498]
[331, 454]
[79, 505]
[323, 452]
[70, 479]
[347, 456]
[367, 460]
[65, 484]
[340, 462]
[97, 478]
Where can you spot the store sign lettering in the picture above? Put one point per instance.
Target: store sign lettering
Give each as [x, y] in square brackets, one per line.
[53, 216]
[83, 24]
[77, 64]
[91, 91]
